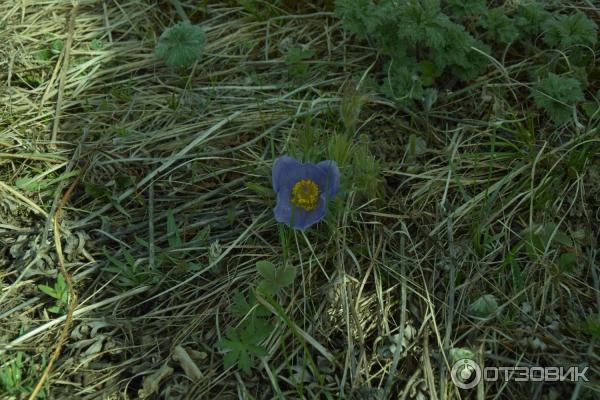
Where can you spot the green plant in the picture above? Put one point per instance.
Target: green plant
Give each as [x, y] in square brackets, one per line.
[540, 237]
[295, 59]
[485, 306]
[557, 95]
[531, 17]
[366, 172]
[56, 46]
[565, 31]
[178, 252]
[18, 376]
[465, 8]
[592, 326]
[274, 279]
[499, 27]
[181, 45]
[96, 44]
[130, 273]
[43, 181]
[420, 40]
[247, 308]
[241, 345]
[242, 342]
[59, 292]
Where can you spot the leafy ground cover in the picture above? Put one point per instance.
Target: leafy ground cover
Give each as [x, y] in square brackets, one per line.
[139, 254]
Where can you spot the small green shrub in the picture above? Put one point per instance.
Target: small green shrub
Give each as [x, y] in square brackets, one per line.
[530, 18]
[59, 292]
[426, 41]
[565, 31]
[420, 40]
[181, 45]
[466, 8]
[557, 95]
[499, 27]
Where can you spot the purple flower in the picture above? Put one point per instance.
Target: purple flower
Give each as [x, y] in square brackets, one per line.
[303, 190]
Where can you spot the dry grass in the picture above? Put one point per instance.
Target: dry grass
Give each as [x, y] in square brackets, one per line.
[147, 143]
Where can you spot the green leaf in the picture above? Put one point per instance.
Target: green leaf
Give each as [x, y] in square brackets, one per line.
[231, 357]
[230, 216]
[531, 18]
[540, 237]
[117, 263]
[483, 307]
[96, 44]
[517, 276]
[55, 310]
[557, 95]
[590, 108]
[459, 353]
[266, 269]
[96, 191]
[499, 27]
[274, 279]
[141, 241]
[297, 54]
[172, 231]
[429, 72]
[259, 189]
[60, 284]
[592, 326]
[49, 291]
[567, 260]
[465, 8]
[57, 46]
[243, 347]
[565, 31]
[129, 259]
[181, 45]
[28, 184]
[242, 307]
[42, 55]
[201, 235]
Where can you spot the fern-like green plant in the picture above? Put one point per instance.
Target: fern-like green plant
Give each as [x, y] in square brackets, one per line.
[360, 16]
[457, 54]
[466, 8]
[422, 23]
[557, 95]
[499, 27]
[420, 40]
[242, 345]
[569, 30]
[181, 45]
[531, 18]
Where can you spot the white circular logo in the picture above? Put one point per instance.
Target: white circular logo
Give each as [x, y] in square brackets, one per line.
[465, 373]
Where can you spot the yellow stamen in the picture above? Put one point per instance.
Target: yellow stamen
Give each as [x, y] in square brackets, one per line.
[305, 194]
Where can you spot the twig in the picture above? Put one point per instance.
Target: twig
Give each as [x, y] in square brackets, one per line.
[65, 68]
[72, 293]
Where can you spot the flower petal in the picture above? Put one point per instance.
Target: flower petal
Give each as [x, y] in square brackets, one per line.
[332, 181]
[295, 217]
[285, 170]
[314, 173]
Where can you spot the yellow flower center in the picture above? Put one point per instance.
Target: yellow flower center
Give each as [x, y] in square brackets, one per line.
[305, 194]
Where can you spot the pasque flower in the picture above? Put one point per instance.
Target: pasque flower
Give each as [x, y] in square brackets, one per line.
[303, 190]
